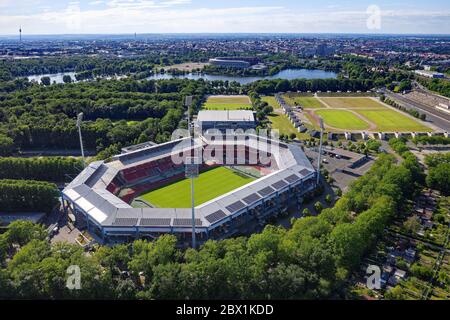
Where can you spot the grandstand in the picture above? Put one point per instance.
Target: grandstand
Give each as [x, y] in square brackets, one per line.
[104, 192]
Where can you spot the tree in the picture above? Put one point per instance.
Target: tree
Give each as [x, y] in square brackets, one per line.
[328, 199]
[439, 178]
[306, 212]
[396, 293]
[318, 206]
[6, 145]
[67, 78]
[46, 81]
[412, 224]
[21, 232]
[292, 136]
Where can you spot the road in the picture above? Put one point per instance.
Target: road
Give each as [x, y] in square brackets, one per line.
[439, 119]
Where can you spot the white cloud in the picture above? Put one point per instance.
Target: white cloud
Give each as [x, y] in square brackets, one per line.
[145, 16]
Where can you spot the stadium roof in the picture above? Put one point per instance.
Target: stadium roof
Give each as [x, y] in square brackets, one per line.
[88, 190]
[225, 115]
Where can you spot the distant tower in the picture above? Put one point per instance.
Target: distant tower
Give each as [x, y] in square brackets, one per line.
[20, 33]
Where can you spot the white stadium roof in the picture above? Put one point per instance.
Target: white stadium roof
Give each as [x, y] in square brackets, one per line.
[88, 190]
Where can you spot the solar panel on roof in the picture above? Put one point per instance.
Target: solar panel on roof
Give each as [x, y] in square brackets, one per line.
[235, 207]
[279, 185]
[266, 191]
[124, 222]
[292, 178]
[304, 172]
[186, 222]
[251, 198]
[216, 216]
[155, 222]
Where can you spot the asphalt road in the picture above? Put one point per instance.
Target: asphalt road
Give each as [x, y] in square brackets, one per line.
[439, 119]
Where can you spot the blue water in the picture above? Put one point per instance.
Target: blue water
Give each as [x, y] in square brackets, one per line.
[287, 74]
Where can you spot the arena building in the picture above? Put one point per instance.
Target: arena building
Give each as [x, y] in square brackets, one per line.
[105, 193]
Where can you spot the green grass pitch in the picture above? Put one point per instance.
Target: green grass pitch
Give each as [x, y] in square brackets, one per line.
[306, 102]
[209, 185]
[342, 119]
[390, 120]
[228, 103]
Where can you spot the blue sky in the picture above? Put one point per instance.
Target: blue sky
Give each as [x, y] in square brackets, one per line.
[269, 16]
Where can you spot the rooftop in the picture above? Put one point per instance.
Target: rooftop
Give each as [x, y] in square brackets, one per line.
[226, 115]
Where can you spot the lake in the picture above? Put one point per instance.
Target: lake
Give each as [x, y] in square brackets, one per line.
[288, 74]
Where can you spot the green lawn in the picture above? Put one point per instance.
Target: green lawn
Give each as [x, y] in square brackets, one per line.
[228, 103]
[306, 102]
[282, 123]
[390, 120]
[208, 185]
[342, 119]
[271, 101]
[226, 106]
[351, 103]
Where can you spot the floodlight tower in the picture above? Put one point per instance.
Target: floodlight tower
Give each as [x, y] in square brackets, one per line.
[20, 33]
[320, 149]
[191, 167]
[79, 121]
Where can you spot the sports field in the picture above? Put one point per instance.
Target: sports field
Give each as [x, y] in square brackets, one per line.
[363, 113]
[342, 119]
[390, 120]
[353, 103]
[306, 102]
[209, 185]
[228, 103]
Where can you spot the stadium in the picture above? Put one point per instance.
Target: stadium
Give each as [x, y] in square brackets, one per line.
[143, 192]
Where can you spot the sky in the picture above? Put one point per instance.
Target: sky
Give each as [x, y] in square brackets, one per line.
[224, 16]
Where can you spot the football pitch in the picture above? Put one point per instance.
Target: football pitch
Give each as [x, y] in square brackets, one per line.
[228, 103]
[209, 185]
[342, 119]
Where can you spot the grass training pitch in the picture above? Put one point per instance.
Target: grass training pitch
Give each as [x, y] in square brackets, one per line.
[342, 119]
[228, 103]
[209, 185]
[390, 120]
[353, 103]
[305, 102]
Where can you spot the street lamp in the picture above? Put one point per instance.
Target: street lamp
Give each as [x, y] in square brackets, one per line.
[320, 149]
[79, 120]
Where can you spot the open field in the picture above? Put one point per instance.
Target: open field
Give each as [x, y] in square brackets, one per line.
[353, 103]
[390, 120]
[228, 103]
[363, 113]
[271, 101]
[306, 102]
[209, 185]
[342, 119]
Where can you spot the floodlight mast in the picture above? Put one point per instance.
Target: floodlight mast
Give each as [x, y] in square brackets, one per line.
[320, 150]
[191, 167]
[79, 121]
